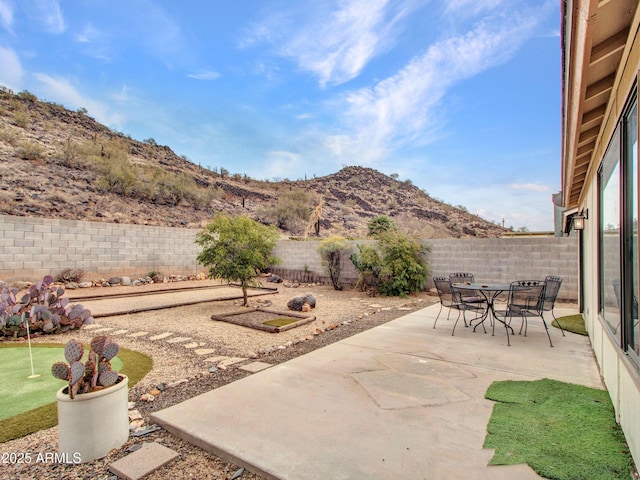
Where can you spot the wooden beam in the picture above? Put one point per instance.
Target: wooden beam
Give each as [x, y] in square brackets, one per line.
[593, 115]
[600, 87]
[610, 46]
[587, 149]
[588, 135]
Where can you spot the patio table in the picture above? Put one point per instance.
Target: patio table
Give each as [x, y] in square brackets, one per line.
[489, 291]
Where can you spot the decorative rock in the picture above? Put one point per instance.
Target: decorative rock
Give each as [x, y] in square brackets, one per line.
[147, 397]
[274, 279]
[85, 285]
[126, 281]
[298, 302]
[115, 281]
[134, 415]
[155, 392]
[71, 285]
[161, 386]
[213, 369]
[135, 424]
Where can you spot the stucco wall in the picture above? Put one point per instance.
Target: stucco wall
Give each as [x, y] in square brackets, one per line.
[32, 247]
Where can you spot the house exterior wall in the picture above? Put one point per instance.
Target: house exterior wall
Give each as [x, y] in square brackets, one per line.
[620, 375]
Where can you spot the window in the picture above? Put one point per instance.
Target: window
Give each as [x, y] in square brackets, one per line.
[618, 233]
[609, 233]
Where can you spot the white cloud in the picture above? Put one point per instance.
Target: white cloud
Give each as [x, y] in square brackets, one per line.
[88, 34]
[471, 7]
[6, 15]
[281, 163]
[533, 187]
[50, 15]
[61, 90]
[334, 41]
[204, 75]
[11, 72]
[403, 109]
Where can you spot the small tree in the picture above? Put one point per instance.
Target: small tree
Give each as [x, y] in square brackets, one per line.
[237, 249]
[331, 251]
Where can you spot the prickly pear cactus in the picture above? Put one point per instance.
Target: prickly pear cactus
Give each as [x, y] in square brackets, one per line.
[73, 351]
[108, 378]
[95, 373]
[61, 370]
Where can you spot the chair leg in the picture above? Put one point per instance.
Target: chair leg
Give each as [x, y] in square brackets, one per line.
[547, 329]
[558, 323]
[454, 325]
[437, 316]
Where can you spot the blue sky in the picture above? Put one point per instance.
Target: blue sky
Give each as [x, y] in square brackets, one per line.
[462, 97]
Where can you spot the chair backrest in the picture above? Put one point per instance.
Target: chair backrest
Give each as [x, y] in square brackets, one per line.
[461, 277]
[551, 289]
[526, 295]
[445, 292]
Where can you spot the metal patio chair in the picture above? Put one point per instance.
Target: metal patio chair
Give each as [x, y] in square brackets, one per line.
[526, 299]
[452, 299]
[469, 296]
[551, 289]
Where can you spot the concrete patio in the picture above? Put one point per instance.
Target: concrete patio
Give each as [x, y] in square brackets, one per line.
[403, 400]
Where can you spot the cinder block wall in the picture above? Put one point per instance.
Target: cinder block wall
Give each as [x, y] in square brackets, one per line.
[33, 247]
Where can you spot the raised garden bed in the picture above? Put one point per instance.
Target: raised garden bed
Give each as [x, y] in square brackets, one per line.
[272, 321]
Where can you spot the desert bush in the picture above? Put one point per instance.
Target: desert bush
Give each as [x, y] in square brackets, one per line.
[292, 210]
[9, 137]
[117, 176]
[331, 251]
[380, 224]
[69, 275]
[21, 119]
[395, 266]
[30, 150]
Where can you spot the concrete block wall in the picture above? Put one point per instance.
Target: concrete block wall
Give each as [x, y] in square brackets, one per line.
[503, 260]
[33, 247]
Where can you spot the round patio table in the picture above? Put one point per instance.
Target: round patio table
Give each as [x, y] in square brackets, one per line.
[489, 291]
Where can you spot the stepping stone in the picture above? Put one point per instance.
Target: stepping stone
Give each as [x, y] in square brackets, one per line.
[405, 309]
[104, 329]
[139, 334]
[143, 461]
[205, 351]
[219, 358]
[178, 340]
[191, 345]
[119, 332]
[161, 336]
[230, 361]
[255, 367]
[375, 305]
[91, 326]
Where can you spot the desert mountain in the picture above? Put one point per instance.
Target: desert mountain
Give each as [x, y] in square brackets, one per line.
[56, 163]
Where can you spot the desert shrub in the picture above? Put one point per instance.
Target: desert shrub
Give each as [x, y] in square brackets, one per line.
[117, 176]
[29, 150]
[395, 266]
[21, 119]
[380, 224]
[69, 275]
[9, 137]
[331, 251]
[291, 212]
[368, 263]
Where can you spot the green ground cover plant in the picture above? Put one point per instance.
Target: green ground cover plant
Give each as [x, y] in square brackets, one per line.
[572, 323]
[563, 431]
[134, 364]
[281, 322]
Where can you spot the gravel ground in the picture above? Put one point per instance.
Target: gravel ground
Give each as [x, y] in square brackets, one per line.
[339, 314]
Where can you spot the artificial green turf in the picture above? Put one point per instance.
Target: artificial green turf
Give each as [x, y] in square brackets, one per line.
[571, 323]
[135, 365]
[281, 322]
[563, 431]
[18, 392]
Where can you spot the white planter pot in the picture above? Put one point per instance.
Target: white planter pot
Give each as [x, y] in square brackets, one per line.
[92, 424]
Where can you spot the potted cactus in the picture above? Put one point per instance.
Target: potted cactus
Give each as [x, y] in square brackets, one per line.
[92, 408]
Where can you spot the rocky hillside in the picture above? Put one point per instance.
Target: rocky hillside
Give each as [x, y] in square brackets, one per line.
[56, 163]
